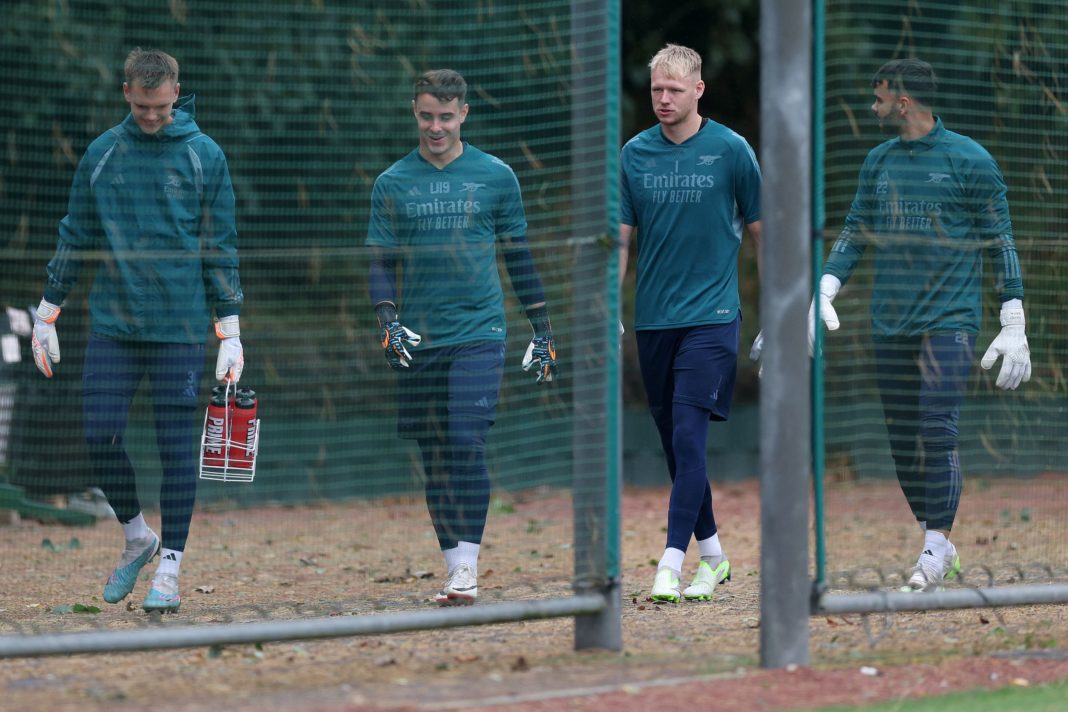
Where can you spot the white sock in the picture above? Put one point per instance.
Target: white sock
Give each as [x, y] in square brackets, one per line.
[672, 559]
[135, 528]
[469, 554]
[170, 561]
[710, 548]
[951, 551]
[934, 549]
[452, 558]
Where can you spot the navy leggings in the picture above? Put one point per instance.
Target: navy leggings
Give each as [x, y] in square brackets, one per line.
[689, 378]
[922, 383]
[447, 403]
[113, 371]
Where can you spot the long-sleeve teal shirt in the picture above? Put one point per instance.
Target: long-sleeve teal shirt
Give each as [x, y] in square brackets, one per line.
[930, 208]
[157, 211]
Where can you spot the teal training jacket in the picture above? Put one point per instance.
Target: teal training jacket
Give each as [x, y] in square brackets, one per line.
[157, 213]
[930, 208]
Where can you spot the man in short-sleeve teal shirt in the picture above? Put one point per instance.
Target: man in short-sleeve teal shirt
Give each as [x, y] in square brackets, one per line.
[689, 187]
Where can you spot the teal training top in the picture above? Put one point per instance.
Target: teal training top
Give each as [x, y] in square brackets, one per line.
[161, 207]
[443, 225]
[929, 207]
[689, 203]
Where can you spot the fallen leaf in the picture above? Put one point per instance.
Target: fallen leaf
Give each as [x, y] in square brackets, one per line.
[205, 589]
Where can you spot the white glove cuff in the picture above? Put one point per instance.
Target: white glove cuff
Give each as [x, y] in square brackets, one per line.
[47, 312]
[1012, 313]
[228, 327]
[829, 286]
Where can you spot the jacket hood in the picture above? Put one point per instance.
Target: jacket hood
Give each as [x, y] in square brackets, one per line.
[183, 125]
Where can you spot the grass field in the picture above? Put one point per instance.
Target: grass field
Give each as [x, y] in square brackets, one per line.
[1012, 698]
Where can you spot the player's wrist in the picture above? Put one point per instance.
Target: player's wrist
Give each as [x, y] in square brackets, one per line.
[539, 320]
[47, 312]
[228, 327]
[830, 285]
[1012, 313]
[386, 312]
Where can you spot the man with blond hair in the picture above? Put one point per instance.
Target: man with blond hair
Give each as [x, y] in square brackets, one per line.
[689, 185]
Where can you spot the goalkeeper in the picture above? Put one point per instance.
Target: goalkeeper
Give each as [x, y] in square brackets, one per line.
[152, 194]
[437, 217]
[689, 187]
[930, 200]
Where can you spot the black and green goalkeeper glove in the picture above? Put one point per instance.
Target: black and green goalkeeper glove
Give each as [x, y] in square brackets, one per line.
[394, 336]
[541, 352]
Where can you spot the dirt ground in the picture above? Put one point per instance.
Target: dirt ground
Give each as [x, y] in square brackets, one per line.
[374, 558]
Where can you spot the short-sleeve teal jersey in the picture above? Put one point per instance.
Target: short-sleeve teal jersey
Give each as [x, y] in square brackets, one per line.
[930, 208]
[689, 203]
[443, 225]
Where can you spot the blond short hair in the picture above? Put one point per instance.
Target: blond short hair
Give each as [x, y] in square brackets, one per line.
[676, 62]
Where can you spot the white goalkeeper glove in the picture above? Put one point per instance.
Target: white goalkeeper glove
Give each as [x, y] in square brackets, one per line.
[231, 361]
[45, 343]
[1010, 343]
[756, 350]
[829, 286]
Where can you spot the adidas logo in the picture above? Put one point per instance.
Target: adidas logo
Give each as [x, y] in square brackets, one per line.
[928, 552]
[170, 557]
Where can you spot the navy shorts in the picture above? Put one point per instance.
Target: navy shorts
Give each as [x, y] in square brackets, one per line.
[695, 365]
[447, 382]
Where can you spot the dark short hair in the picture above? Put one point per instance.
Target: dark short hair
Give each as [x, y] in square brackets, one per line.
[913, 77]
[150, 68]
[443, 84]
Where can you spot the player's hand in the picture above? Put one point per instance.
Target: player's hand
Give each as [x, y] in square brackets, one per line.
[45, 343]
[231, 361]
[1011, 344]
[395, 337]
[756, 350]
[829, 286]
[541, 351]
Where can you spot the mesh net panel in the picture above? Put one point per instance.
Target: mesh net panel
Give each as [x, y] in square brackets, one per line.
[310, 102]
[1001, 72]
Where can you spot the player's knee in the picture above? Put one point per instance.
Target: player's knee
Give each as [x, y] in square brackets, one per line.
[938, 436]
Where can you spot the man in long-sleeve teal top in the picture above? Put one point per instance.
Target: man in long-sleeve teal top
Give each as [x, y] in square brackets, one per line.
[930, 203]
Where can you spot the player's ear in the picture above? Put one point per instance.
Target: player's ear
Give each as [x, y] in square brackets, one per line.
[463, 113]
[699, 88]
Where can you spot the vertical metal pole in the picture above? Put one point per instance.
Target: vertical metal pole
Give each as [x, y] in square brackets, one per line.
[595, 359]
[818, 453]
[785, 416]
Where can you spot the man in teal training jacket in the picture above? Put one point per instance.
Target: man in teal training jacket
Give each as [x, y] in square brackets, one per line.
[153, 196]
[930, 202]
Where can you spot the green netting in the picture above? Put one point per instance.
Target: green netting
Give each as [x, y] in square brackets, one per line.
[310, 102]
[1002, 73]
